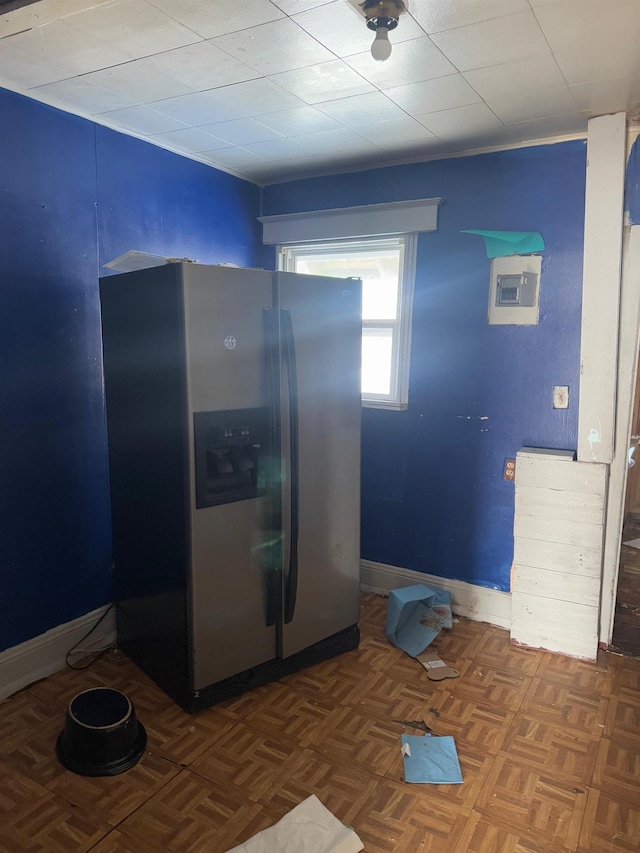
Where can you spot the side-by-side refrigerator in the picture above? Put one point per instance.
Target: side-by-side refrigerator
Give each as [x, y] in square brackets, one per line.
[233, 417]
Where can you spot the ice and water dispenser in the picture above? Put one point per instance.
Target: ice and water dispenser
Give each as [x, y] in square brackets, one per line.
[230, 455]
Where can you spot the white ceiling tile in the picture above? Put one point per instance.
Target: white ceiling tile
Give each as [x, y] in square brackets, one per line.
[191, 140]
[568, 21]
[278, 149]
[242, 131]
[547, 102]
[215, 18]
[543, 128]
[201, 66]
[322, 82]
[481, 141]
[579, 66]
[415, 149]
[593, 40]
[236, 158]
[138, 81]
[520, 77]
[38, 14]
[604, 96]
[255, 97]
[437, 15]
[433, 95]
[335, 142]
[18, 68]
[197, 109]
[277, 46]
[142, 120]
[471, 120]
[135, 27]
[493, 42]
[410, 62]
[361, 109]
[394, 132]
[298, 121]
[344, 31]
[80, 93]
[291, 7]
[57, 51]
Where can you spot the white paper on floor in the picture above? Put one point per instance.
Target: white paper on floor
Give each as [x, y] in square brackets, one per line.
[632, 543]
[309, 828]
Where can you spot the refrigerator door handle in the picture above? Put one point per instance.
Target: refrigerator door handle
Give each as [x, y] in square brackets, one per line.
[271, 555]
[289, 352]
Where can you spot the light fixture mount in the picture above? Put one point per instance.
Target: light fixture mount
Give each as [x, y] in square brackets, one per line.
[383, 13]
[382, 17]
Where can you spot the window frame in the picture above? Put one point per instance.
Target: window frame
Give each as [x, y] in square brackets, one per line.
[398, 398]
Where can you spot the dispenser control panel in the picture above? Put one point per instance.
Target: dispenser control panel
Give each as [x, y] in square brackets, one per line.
[230, 449]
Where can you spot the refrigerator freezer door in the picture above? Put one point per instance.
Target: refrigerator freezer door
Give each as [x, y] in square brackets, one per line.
[228, 586]
[321, 441]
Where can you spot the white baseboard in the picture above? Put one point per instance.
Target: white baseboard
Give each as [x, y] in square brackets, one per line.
[43, 655]
[474, 602]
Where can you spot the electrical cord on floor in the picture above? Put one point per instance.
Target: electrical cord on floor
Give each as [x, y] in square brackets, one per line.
[95, 655]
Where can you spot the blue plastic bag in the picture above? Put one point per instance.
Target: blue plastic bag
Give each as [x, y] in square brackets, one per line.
[415, 616]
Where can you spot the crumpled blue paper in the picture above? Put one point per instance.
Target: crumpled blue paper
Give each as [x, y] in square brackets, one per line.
[431, 760]
[500, 244]
[415, 616]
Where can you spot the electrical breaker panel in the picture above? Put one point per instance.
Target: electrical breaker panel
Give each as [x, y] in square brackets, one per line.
[514, 290]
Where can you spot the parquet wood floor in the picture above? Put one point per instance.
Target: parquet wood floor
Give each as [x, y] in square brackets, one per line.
[549, 749]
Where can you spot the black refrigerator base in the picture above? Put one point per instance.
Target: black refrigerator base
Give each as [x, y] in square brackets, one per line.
[337, 644]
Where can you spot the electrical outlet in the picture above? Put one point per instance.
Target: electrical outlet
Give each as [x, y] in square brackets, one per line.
[560, 396]
[509, 471]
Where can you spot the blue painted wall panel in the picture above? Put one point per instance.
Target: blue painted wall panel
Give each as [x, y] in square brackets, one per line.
[433, 495]
[172, 206]
[66, 206]
[54, 520]
[632, 184]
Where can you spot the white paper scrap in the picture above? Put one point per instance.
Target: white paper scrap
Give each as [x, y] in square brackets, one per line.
[406, 749]
[309, 828]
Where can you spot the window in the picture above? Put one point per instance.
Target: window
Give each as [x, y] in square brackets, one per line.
[386, 266]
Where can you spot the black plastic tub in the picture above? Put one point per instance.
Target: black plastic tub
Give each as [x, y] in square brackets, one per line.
[101, 735]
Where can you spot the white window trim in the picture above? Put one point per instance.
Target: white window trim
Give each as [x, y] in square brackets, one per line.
[402, 338]
[394, 219]
[403, 351]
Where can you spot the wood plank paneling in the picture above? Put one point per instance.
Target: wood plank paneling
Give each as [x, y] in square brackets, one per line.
[556, 625]
[559, 516]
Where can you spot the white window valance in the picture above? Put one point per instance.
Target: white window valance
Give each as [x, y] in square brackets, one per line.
[369, 220]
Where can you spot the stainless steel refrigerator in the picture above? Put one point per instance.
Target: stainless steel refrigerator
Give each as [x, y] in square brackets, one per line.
[233, 417]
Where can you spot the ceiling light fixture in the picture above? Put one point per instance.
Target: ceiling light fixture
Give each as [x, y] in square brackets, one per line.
[382, 16]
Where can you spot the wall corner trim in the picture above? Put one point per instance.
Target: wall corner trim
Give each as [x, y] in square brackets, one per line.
[602, 264]
[367, 220]
[475, 602]
[44, 655]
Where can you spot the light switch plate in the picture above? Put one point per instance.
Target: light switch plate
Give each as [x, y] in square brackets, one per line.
[560, 396]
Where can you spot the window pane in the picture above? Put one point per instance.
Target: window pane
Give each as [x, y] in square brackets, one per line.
[377, 356]
[379, 271]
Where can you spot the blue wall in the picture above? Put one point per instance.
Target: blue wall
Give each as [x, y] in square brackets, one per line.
[72, 196]
[433, 495]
